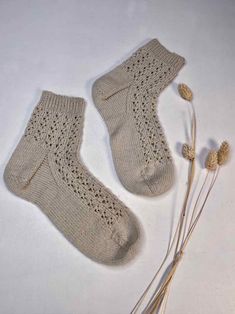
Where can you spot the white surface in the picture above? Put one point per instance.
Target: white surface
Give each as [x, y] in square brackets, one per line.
[63, 46]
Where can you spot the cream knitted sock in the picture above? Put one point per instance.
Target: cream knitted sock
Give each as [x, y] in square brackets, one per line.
[126, 99]
[45, 170]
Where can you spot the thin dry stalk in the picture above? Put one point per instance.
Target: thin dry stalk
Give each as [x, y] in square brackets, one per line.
[195, 221]
[156, 304]
[138, 304]
[191, 176]
[166, 299]
[164, 290]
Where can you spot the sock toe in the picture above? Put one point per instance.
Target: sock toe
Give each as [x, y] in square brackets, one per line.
[127, 235]
[158, 178]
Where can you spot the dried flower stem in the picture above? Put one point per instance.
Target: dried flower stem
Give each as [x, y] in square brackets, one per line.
[191, 175]
[163, 292]
[197, 200]
[164, 289]
[137, 305]
[193, 225]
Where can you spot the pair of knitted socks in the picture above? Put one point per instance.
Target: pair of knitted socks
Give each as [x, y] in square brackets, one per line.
[46, 169]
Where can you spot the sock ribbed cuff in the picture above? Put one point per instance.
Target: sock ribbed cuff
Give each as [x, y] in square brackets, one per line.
[162, 54]
[119, 78]
[60, 103]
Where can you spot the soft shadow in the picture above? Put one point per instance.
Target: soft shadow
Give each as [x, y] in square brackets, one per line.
[166, 272]
[213, 144]
[173, 212]
[175, 88]
[202, 156]
[17, 138]
[178, 148]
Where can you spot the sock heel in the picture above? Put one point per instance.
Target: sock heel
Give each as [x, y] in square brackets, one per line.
[23, 165]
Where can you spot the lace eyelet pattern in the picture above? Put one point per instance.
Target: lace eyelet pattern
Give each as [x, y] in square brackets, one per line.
[60, 134]
[149, 77]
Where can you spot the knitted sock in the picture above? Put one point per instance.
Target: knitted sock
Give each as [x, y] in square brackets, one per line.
[45, 170]
[126, 99]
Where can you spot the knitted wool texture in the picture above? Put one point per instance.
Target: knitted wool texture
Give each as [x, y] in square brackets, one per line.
[45, 170]
[126, 99]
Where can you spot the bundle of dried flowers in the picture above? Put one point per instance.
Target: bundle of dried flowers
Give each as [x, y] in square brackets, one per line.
[183, 232]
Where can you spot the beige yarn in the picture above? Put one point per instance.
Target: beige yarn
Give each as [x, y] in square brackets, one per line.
[126, 99]
[45, 170]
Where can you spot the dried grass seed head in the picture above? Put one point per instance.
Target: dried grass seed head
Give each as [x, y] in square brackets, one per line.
[212, 160]
[188, 152]
[185, 92]
[223, 153]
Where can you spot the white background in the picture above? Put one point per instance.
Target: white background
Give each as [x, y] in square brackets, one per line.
[63, 46]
